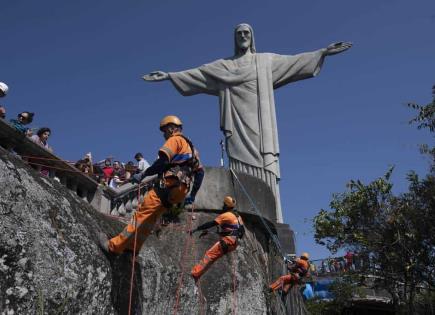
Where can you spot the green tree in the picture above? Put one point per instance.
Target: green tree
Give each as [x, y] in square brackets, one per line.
[393, 234]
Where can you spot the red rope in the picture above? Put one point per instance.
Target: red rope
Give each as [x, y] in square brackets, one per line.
[55, 168]
[44, 158]
[134, 253]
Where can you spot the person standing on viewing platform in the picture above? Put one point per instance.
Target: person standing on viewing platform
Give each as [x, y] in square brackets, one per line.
[118, 170]
[130, 169]
[107, 171]
[85, 165]
[142, 164]
[115, 182]
[2, 112]
[3, 89]
[41, 138]
[23, 119]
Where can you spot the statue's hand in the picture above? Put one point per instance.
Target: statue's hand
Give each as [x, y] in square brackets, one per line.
[156, 76]
[337, 48]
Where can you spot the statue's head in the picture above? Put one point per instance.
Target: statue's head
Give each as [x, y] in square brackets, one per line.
[243, 38]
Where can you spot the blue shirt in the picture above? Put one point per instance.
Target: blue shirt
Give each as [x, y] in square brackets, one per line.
[18, 126]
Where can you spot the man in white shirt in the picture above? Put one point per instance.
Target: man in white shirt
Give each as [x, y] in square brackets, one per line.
[142, 164]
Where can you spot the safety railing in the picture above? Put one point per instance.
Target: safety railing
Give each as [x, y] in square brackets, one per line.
[334, 266]
[125, 199]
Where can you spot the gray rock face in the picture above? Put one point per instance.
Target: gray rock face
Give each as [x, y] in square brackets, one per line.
[50, 263]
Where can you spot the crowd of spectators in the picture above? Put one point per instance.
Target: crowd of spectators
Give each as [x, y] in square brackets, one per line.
[349, 262]
[21, 123]
[108, 172]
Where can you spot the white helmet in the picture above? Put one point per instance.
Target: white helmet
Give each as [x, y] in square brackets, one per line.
[4, 88]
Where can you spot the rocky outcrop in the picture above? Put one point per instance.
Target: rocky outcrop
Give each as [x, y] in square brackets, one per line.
[50, 262]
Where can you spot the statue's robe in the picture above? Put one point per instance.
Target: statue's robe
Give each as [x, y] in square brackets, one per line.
[245, 87]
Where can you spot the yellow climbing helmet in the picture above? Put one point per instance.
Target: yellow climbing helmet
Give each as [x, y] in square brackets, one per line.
[170, 119]
[229, 202]
[305, 255]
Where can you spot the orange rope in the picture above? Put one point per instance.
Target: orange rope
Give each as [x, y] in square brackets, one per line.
[134, 252]
[182, 263]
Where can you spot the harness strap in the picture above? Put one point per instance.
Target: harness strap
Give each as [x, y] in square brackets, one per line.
[224, 246]
[163, 194]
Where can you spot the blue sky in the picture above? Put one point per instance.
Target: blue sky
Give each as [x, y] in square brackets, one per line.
[78, 64]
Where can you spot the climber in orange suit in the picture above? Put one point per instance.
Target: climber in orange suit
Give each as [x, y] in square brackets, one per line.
[298, 269]
[177, 165]
[230, 228]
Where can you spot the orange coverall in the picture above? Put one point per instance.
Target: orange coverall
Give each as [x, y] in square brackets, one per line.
[178, 151]
[298, 271]
[228, 223]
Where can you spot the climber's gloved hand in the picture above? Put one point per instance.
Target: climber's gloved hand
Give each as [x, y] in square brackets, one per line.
[203, 233]
[136, 178]
[189, 200]
[192, 231]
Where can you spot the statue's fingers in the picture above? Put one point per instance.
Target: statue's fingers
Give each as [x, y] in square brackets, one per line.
[148, 77]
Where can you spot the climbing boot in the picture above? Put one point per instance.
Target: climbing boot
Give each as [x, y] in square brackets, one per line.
[196, 278]
[103, 242]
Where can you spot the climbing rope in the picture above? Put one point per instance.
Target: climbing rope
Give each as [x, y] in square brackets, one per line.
[272, 235]
[134, 252]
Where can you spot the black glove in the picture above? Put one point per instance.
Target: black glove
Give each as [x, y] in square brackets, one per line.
[204, 233]
[189, 200]
[192, 231]
[136, 178]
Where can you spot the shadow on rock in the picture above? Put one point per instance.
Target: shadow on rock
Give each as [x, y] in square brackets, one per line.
[121, 282]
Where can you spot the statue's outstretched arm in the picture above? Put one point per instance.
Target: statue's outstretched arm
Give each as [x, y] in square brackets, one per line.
[156, 76]
[336, 48]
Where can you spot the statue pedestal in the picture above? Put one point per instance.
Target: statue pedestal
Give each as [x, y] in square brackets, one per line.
[219, 182]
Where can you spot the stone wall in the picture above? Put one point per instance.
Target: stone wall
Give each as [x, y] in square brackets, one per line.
[50, 263]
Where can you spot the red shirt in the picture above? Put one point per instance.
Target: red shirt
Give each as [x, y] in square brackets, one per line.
[108, 172]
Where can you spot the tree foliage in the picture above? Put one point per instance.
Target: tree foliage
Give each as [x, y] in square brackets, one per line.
[393, 234]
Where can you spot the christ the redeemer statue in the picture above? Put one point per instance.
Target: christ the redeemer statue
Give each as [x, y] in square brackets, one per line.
[244, 84]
